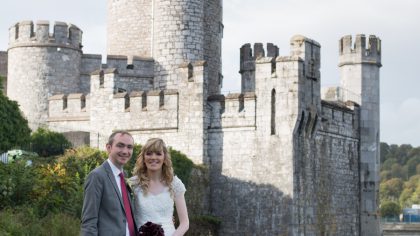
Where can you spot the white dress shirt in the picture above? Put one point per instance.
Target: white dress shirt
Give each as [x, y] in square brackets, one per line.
[116, 173]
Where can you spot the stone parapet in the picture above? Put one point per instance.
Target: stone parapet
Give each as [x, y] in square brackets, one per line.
[26, 34]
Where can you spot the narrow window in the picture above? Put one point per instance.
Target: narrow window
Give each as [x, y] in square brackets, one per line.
[64, 102]
[161, 99]
[273, 112]
[144, 101]
[83, 102]
[101, 79]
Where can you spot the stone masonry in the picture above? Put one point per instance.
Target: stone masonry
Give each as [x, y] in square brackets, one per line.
[282, 160]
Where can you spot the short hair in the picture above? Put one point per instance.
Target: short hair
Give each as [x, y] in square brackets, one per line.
[112, 136]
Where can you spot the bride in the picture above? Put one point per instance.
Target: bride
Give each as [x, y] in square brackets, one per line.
[156, 189]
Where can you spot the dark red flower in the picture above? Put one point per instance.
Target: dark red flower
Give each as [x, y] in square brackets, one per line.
[151, 229]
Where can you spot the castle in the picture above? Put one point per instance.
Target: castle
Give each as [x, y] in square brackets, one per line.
[285, 158]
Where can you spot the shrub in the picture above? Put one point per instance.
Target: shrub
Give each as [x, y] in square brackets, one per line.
[182, 165]
[24, 221]
[16, 183]
[390, 209]
[14, 129]
[49, 143]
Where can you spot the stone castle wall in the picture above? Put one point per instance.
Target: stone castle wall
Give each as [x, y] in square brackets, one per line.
[327, 180]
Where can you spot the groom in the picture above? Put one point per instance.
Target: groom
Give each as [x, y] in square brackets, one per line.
[107, 204]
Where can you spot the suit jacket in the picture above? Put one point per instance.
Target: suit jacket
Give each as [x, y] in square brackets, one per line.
[103, 211]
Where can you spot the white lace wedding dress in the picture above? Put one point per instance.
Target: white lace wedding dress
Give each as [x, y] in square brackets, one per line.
[156, 208]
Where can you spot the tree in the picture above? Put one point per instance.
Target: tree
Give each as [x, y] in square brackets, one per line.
[14, 129]
[391, 189]
[388, 163]
[390, 209]
[410, 194]
[412, 165]
[384, 152]
[397, 171]
[49, 143]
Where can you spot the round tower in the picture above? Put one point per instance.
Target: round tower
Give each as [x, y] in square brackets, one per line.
[359, 69]
[41, 64]
[172, 32]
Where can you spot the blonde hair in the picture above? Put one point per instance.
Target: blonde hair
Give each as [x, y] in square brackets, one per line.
[140, 169]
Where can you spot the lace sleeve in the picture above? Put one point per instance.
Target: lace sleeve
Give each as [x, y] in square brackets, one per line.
[177, 186]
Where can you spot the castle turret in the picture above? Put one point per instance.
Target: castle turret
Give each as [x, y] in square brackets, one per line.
[171, 32]
[41, 64]
[359, 70]
[247, 63]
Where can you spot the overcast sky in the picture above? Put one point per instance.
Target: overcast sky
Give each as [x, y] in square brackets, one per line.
[397, 23]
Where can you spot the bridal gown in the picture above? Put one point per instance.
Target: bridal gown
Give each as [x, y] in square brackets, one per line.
[157, 208]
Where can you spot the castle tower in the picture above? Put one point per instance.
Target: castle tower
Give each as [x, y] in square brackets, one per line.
[171, 32]
[359, 71]
[41, 64]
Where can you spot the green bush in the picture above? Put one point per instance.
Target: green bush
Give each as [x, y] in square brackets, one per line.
[16, 183]
[182, 165]
[24, 221]
[14, 129]
[49, 143]
[390, 209]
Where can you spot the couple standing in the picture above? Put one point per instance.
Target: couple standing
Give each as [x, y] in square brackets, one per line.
[108, 208]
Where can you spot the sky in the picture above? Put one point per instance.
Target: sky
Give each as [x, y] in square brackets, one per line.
[396, 23]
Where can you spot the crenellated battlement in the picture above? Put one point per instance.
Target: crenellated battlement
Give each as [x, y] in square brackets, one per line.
[136, 102]
[233, 110]
[26, 33]
[249, 55]
[369, 50]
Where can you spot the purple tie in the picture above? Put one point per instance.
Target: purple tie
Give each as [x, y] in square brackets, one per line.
[127, 207]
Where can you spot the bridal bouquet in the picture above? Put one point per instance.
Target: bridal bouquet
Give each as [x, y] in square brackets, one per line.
[151, 229]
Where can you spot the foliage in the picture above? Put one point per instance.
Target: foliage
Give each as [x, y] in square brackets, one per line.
[49, 143]
[24, 221]
[390, 209]
[14, 129]
[46, 198]
[182, 165]
[411, 193]
[16, 183]
[400, 174]
[391, 189]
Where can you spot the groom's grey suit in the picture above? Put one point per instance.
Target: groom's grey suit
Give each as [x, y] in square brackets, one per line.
[103, 209]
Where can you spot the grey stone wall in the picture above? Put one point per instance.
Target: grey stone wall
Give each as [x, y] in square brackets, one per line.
[327, 178]
[90, 63]
[130, 27]
[213, 33]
